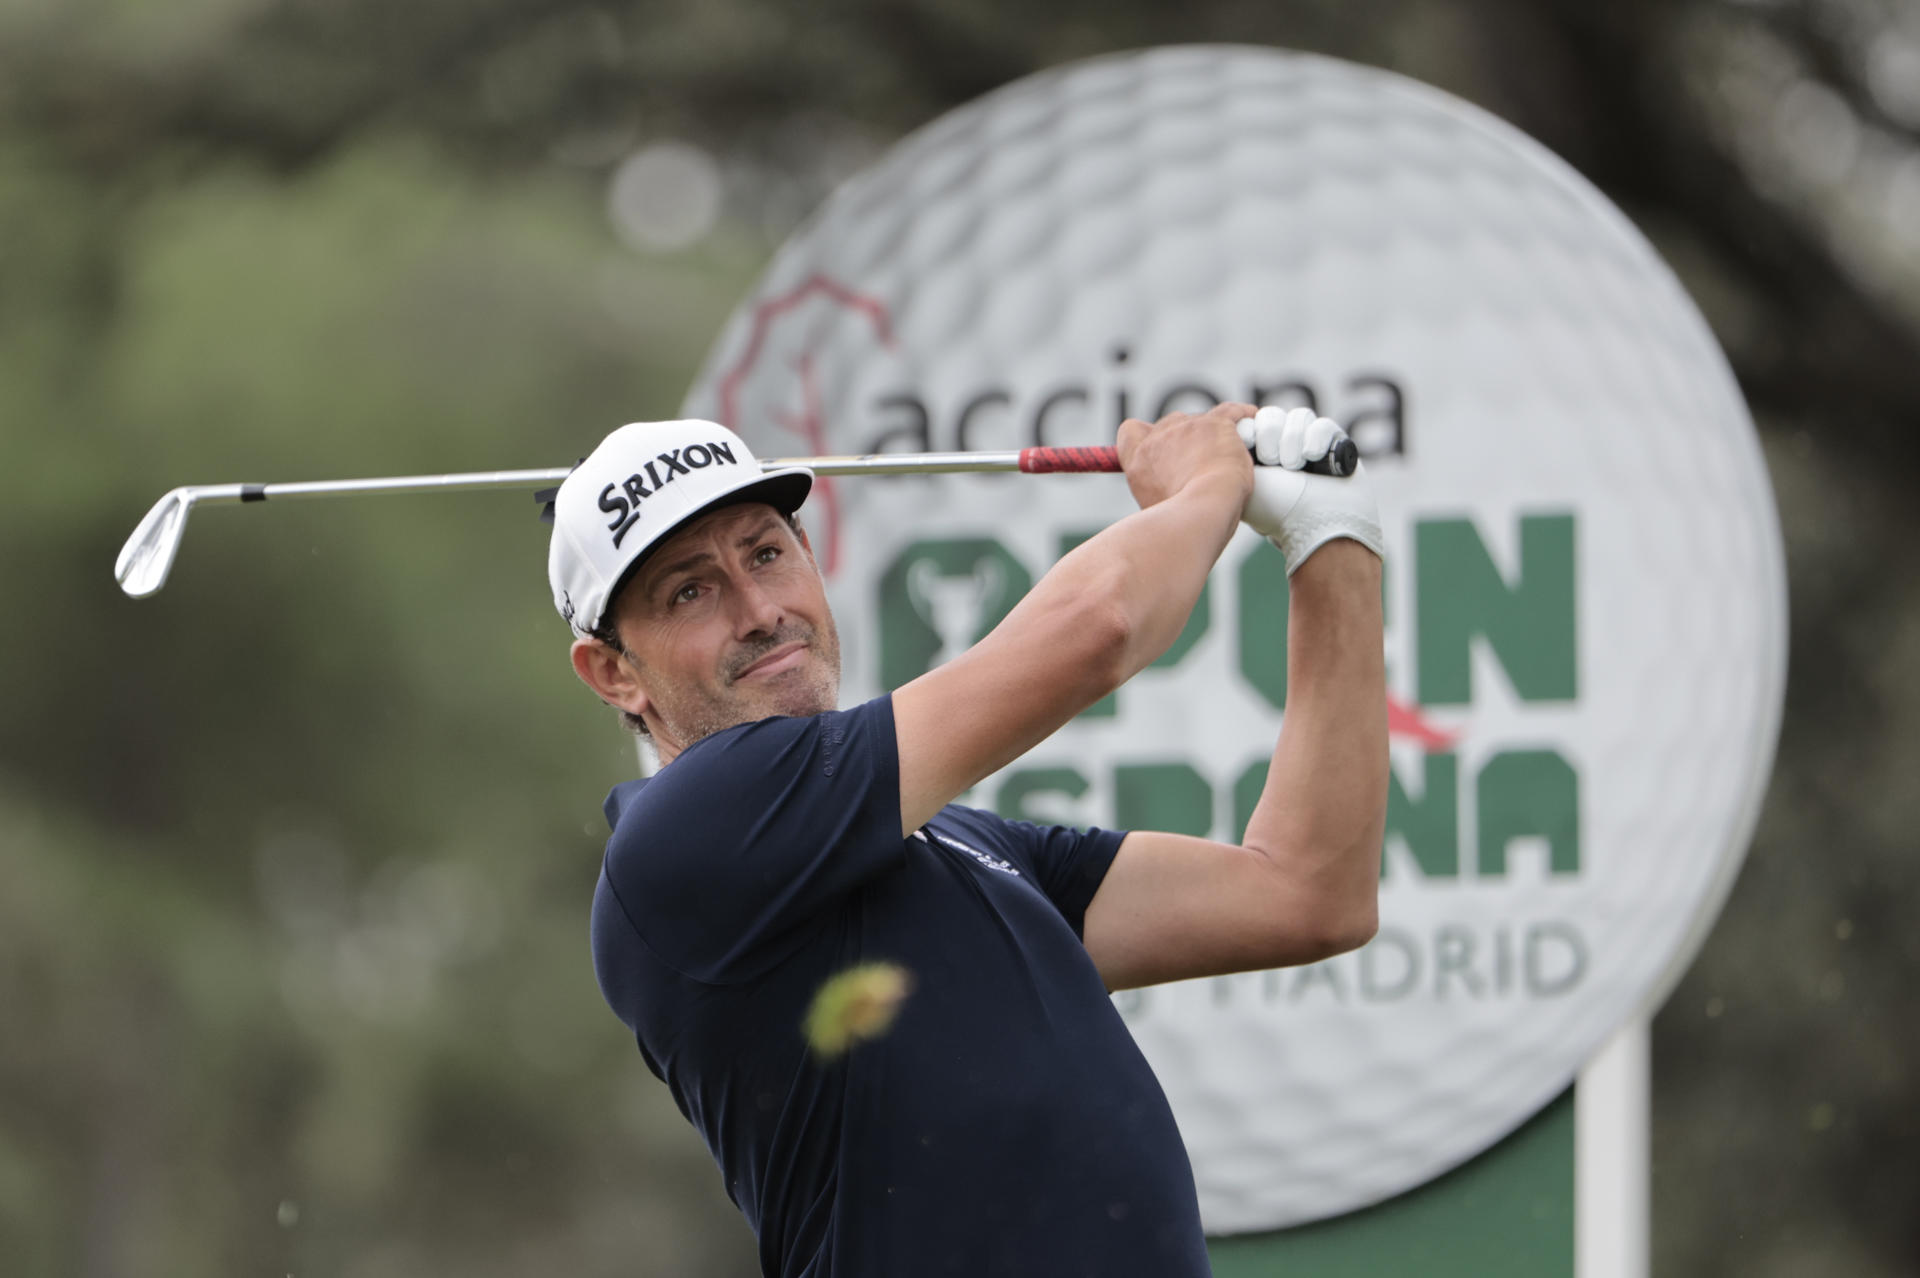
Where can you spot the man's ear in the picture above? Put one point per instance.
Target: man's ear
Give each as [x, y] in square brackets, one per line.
[610, 675]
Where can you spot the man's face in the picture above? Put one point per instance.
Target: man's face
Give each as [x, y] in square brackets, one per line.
[726, 623]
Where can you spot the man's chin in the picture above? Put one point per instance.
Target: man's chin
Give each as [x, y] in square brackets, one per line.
[796, 694]
[779, 698]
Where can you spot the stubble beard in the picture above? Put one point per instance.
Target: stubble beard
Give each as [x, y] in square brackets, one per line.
[692, 712]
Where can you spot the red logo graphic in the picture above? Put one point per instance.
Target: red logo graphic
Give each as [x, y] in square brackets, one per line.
[1406, 722]
[806, 422]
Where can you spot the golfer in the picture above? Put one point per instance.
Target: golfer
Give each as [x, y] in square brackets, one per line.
[1005, 1124]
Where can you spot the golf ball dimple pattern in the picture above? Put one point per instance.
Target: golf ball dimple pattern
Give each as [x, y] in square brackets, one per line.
[1227, 215]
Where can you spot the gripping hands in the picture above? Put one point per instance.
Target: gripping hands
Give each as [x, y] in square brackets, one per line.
[1296, 511]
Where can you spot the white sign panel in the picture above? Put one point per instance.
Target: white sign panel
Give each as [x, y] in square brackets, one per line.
[1585, 588]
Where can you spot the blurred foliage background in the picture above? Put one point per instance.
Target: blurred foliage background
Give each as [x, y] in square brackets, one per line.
[295, 857]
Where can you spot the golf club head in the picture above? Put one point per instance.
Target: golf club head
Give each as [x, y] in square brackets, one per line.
[148, 555]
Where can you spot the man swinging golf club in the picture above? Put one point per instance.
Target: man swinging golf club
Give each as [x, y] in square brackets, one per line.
[1005, 1124]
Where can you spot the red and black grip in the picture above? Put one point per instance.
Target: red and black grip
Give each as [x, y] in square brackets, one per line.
[1064, 461]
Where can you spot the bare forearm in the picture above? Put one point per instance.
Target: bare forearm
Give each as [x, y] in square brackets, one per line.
[1152, 565]
[1323, 811]
[1130, 589]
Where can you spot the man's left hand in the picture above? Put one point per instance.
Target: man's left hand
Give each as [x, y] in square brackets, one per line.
[1297, 511]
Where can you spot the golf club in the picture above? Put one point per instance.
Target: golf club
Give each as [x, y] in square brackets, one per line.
[148, 556]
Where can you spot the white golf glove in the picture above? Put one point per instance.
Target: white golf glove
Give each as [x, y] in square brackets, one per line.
[1297, 511]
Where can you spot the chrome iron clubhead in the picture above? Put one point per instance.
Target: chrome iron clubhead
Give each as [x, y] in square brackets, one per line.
[148, 555]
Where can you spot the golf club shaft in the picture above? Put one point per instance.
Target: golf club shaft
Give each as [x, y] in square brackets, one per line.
[1033, 461]
[148, 556]
[1028, 461]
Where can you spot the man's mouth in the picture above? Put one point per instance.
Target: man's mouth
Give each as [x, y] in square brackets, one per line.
[785, 657]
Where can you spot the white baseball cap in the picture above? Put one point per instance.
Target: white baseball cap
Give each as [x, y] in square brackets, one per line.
[642, 482]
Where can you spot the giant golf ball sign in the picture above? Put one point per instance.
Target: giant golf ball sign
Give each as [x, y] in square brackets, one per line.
[1585, 587]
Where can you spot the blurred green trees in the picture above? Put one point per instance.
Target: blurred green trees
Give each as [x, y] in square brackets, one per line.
[295, 856]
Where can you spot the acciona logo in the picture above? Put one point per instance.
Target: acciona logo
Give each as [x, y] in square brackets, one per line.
[1585, 640]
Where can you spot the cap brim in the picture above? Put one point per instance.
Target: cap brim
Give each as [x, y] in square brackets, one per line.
[785, 490]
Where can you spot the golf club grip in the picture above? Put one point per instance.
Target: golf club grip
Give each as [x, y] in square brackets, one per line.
[1339, 461]
[1068, 461]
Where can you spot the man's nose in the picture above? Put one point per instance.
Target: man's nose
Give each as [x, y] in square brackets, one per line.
[755, 610]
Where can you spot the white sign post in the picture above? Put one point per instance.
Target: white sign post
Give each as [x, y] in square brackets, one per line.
[1612, 1128]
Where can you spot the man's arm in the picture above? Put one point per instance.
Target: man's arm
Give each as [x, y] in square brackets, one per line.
[1304, 883]
[1101, 615]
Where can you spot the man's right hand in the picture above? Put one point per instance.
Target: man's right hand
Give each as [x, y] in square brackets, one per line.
[1182, 449]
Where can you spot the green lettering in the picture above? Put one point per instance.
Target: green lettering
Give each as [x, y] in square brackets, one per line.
[1263, 623]
[1529, 624]
[1430, 824]
[1529, 794]
[1162, 796]
[1017, 790]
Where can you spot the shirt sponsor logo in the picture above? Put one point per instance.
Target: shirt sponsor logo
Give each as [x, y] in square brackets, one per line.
[991, 862]
[622, 500]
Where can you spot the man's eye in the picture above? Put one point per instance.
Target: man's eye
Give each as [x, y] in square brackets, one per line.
[766, 554]
[687, 593]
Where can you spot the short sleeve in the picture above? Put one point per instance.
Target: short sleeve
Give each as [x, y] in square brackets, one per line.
[1068, 864]
[725, 860]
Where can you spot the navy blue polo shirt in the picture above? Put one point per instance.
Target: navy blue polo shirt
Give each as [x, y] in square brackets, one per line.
[1006, 1125]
